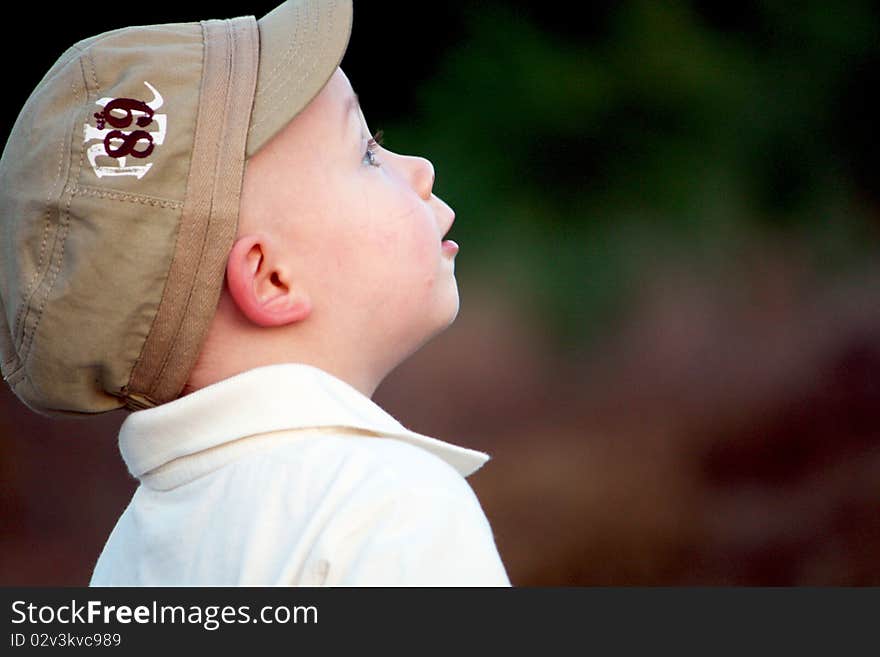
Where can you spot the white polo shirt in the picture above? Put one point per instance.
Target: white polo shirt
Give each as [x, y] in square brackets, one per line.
[287, 475]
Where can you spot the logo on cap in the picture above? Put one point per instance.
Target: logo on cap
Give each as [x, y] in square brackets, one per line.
[119, 140]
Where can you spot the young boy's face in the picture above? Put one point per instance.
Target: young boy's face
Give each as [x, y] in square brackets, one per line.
[360, 243]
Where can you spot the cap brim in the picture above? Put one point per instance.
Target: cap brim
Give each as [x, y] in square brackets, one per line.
[302, 42]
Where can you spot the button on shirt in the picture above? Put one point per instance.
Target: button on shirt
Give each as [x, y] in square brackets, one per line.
[287, 475]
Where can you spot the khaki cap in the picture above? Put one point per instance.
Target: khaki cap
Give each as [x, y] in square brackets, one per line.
[119, 196]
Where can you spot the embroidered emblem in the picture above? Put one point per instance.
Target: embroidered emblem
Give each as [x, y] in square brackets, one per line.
[118, 139]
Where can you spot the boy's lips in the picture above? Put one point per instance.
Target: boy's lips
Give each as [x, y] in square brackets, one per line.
[450, 247]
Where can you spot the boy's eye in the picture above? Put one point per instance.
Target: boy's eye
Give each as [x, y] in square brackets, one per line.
[372, 145]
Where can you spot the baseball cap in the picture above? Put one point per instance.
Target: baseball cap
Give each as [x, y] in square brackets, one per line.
[119, 195]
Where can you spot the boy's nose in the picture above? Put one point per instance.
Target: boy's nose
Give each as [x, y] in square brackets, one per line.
[421, 175]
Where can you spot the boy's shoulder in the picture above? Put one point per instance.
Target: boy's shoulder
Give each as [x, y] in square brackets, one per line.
[353, 479]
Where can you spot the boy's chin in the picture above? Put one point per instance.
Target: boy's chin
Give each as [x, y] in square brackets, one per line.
[452, 304]
[445, 314]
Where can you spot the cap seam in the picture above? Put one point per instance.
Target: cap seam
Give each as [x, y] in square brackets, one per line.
[273, 85]
[114, 195]
[272, 75]
[229, 36]
[8, 377]
[11, 362]
[272, 90]
[126, 389]
[206, 229]
[94, 68]
[293, 88]
[40, 272]
[28, 338]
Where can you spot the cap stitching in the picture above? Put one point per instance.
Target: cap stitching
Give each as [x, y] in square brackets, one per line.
[56, 267]
[229, 33]
[126, 389]
[231, 52]
[53, 271]
[295, 87]
[16, 377]
[94, 73]
[270, 77]
[6, 377]
[306, 74]
[276, 86]
[122, 196]
[10, 361]
[273, 85]
[39, 271]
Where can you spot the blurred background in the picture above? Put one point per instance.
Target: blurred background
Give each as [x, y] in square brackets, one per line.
[669, 332]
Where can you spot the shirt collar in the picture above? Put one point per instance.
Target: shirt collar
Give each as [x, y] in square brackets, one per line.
[268, 398]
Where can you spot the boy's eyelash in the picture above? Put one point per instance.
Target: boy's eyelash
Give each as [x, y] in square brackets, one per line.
[372, 144]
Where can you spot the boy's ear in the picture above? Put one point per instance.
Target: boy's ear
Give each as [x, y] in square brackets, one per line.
[260, 283]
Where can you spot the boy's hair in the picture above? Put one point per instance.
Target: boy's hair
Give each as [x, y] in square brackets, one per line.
[119, 197]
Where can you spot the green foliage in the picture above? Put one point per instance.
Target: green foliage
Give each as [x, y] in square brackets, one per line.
[573, 166]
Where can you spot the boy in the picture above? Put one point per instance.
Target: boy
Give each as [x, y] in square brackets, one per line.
[197, 226]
